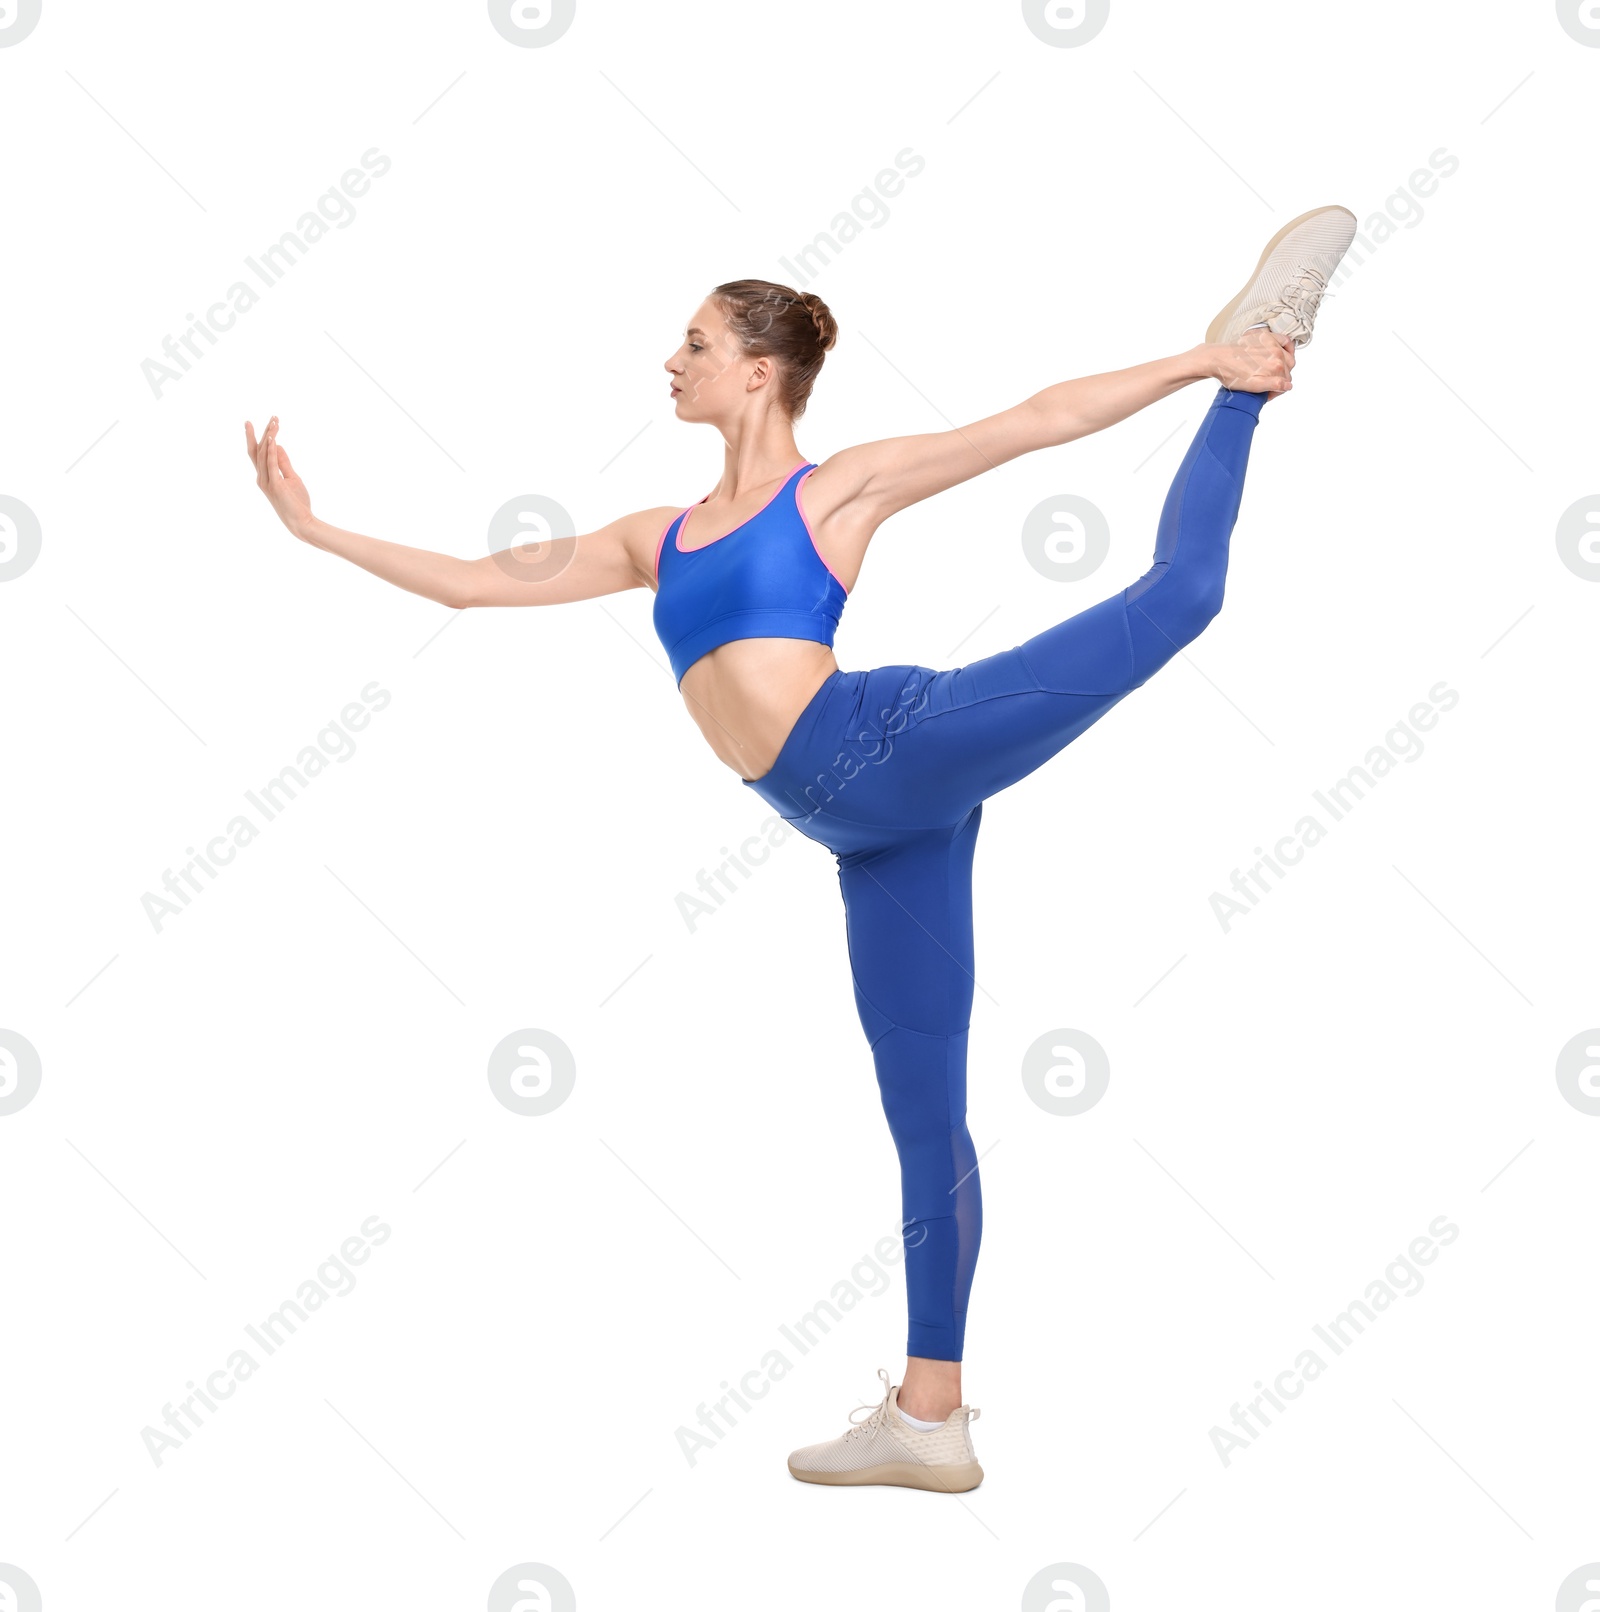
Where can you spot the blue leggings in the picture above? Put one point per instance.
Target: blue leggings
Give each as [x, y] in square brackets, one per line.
[890, 768]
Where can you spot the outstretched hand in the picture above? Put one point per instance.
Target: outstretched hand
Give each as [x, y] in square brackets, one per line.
[1260, 361]
[276, 477]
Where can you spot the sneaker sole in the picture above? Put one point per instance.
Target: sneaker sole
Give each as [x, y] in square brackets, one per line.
[1220, 323]
[952, 1479]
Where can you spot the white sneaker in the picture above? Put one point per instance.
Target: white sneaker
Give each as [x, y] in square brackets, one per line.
[885, 1448]
[1286, 289]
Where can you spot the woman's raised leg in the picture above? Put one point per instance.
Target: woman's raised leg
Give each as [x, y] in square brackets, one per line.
[976, 729]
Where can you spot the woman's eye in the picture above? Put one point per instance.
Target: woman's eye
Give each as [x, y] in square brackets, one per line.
[694, 347]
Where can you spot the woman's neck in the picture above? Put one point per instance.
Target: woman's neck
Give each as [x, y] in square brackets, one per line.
[754, 459]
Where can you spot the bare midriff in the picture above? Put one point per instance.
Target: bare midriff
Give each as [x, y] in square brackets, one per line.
[747, 695]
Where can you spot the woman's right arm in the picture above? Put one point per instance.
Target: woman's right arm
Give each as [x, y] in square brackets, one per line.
[618, 556]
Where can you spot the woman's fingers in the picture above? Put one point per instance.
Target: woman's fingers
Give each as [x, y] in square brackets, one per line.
[1285, 356]
[253, 448]
[264, 460]
[1265, 362]
[1261, 366]
[268, 457]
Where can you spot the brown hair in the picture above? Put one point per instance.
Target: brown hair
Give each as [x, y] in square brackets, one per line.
[774, 321]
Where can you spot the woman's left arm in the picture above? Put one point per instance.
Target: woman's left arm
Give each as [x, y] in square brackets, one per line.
[857, 489]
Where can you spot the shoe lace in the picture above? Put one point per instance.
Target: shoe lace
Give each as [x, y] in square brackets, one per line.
[876, 1414]
[1301, 297]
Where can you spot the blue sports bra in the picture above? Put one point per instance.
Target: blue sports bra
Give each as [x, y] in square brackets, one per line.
[765, 579]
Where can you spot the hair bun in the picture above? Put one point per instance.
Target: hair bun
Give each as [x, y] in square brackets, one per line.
[827, 329]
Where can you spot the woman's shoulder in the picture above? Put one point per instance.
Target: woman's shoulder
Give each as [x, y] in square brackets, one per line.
[642, 533]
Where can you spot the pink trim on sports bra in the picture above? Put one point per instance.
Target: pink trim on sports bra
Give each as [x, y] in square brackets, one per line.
[812, 535]
[677, 542]
[662, 540]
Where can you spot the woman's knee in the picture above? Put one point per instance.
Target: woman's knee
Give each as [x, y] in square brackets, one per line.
[1172, 617]
[1204, 601]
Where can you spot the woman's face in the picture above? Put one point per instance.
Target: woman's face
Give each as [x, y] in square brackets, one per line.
[710, 375]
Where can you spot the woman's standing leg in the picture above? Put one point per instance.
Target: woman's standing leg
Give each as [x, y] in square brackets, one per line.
[908, 917]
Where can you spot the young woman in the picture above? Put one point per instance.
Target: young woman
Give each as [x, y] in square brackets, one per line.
[889, 768]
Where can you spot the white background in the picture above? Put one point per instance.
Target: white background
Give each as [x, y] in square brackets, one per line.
[225, 1101]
